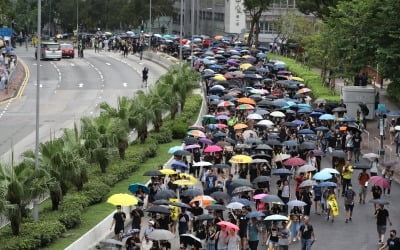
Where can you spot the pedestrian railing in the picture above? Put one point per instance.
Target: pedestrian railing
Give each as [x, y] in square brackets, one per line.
[377, 145]
[368, 135]
[391, 152]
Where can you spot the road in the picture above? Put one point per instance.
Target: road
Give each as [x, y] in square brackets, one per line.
[70, 89]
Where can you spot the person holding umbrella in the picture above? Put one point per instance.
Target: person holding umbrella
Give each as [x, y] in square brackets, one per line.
[232, 240]
[295, 217]
[118, 221]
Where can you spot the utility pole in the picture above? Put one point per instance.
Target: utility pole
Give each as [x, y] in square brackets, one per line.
[77, 22]
[150, 19]
[192, 44]
[38, 55]
[181, 35]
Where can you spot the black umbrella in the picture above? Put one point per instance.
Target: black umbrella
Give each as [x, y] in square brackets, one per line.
[222, 166]
[261, 178]
[289, 124]
[161, 202]
[219, 195]
[379, 201]
[257, 161]
[190, 240]
[215, 207]
[164, 194]
[205, 217]
[269, 198]
[153, 173]
[241, 182]
[219, 134]
[158, 209]
[179, 204]
[182, 153]
[263, 147]
[190, 140]
[339, 154]
[281, 171]
[192, 192]
[307, 145]
[273, 142]
[231, 141]
[261, 156]
[253, 141]
[264, 103]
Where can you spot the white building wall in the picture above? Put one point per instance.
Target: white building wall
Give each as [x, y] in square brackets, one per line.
[235, 16]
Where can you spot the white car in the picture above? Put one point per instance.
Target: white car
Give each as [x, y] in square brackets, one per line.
[50, 50]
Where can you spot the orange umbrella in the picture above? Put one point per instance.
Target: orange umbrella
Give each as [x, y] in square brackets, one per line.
[240, 126]
[304, 90]
[246, 100]
[204, 200]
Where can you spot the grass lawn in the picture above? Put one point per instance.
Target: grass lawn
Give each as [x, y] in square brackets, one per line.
[94, 214]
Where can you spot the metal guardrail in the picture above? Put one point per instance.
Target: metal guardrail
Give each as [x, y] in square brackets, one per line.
[368, 135]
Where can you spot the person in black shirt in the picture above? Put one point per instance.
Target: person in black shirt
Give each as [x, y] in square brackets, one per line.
[136, 216]
[164, 221]
[119, 218]
[243, 221]
[382, 216]
[133, 242]
[393, 242]
[306, 232]
[357, 146]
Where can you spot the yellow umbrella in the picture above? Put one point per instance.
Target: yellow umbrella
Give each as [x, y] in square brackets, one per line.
[219, 37]
[240, 159]
[245, 36]
[168, 171]
[184, 182]
[245, 66]
[295, 78]
[240, 126]
[219, 78]
[188, 176]
[245, 56]
[123, 200]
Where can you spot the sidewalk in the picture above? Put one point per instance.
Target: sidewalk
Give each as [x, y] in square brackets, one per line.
[17, 78]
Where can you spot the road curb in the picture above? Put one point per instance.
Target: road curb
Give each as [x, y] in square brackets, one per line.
[20, 85]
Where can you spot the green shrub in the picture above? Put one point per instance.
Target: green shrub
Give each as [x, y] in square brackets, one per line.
[393, 90]
[164, 136]
[74, 201]
[70, 218]
[179, 129]
[95, 190]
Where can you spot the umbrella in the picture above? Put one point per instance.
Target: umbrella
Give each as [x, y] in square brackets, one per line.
[219, 195]
[330, 170]
[327, 117]
[167, 171]
[266, 123]
[380, 181]
[135, 187]
[174, 149]
[242, 189]
[242, 201]
[303, 90]
[281, 157]
[296, 203]
[389, 164]
[295, 161]
[254, 214]
[317, 152]
[178, 164]
[112, 242]
[164, 194]
[339, 154]
[379, 201]
[222, 166]
[161, 234]
[308, 183]
[184, 182]
[241, 182]
[277, 114]
[202, 164]
[246, 100]
[235, 205]
[179, 204]
[205, 217]
[307, 145]
[153, 173]
[205, 141]
[339, 109]
[223, 144]
[281, 171]
[322, 176]
[263, 147]
[362, 166]
[161, 202]
[327, 184]
[290, 143]
[190, 240]
[181, 153]
[306, 168]
[219, 134]
[158, 209]
[215, 207]
[254, 116]
[276, 217]
[306, 132]
[240, 159]
[240, 126]
[192, 192]
[261, 178]
[244, 107]
[370, 156]
[269, 198]
[204, 200]
[225, 104]
[191, 140]
[321, 128]
[212, 149]
[259, 196]
[196, 133]
[273, 142]
[123, 200]
[228, 225]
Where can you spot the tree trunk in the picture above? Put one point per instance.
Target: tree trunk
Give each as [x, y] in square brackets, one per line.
[122, 145]
[15, 221]
[55, 199]
[143, 135]
[103, 165]
[250, 38]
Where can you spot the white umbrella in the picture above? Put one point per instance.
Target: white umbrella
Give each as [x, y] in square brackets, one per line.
[246, 134]
[235, 205]
[202, 164]
[254, 116]
[296, 203]
[277, 114]
[370, 156]
[266, 123]
[330, 170]
[397, 127]
[281, 157]
[308, 183]
[306, 168]
[161, 234]
[276, 217]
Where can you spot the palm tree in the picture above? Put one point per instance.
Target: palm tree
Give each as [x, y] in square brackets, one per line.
[21, 183]
[157, 105]
[168, 96]
[141, 115]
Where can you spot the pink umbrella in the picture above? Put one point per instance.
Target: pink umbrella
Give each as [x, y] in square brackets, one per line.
[221, 125]
[379, 181]
[259, 196]
[294, 161]
[212, 149]
[228, 225]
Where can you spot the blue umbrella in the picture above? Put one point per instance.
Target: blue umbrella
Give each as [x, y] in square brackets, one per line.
[393, 113]
[349, 119]
[304, 111]
[245, 202]
[290, 143]
[173, 149]
[215, 67]
[280, 103]
[306, 131]
[263, 48]
[315, 114]
[322, 176]
[178, 164]
[327, 117]
[298, 122]
[296, 203]
[327, 184]
[254, 214]
[213, 97]
[321, 128]
[262, 70]
[281, 171]
[133, 188]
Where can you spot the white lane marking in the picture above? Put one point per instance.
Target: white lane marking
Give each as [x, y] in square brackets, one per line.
[58, 71]
[35, 64]
[108, 64]
[125, 84]
[72, 64]
[140, 63]
[80, 85]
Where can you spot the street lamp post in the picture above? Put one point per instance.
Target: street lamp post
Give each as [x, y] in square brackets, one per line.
[181, 34]
[192, 44]
[150, 19]
[38, 55]
[77, 22]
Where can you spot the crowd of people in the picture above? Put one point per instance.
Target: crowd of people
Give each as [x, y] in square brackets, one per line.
[229, 185]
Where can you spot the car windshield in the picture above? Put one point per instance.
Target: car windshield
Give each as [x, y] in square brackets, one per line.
[66, 46]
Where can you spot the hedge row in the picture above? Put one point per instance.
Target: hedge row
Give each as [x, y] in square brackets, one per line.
[311, 79]
[53, 224]
[393, 90]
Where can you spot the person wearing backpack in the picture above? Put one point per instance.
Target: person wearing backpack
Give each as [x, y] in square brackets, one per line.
[349, 197]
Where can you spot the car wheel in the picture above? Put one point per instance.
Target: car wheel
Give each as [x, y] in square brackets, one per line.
[72, 57]
[58, 59]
